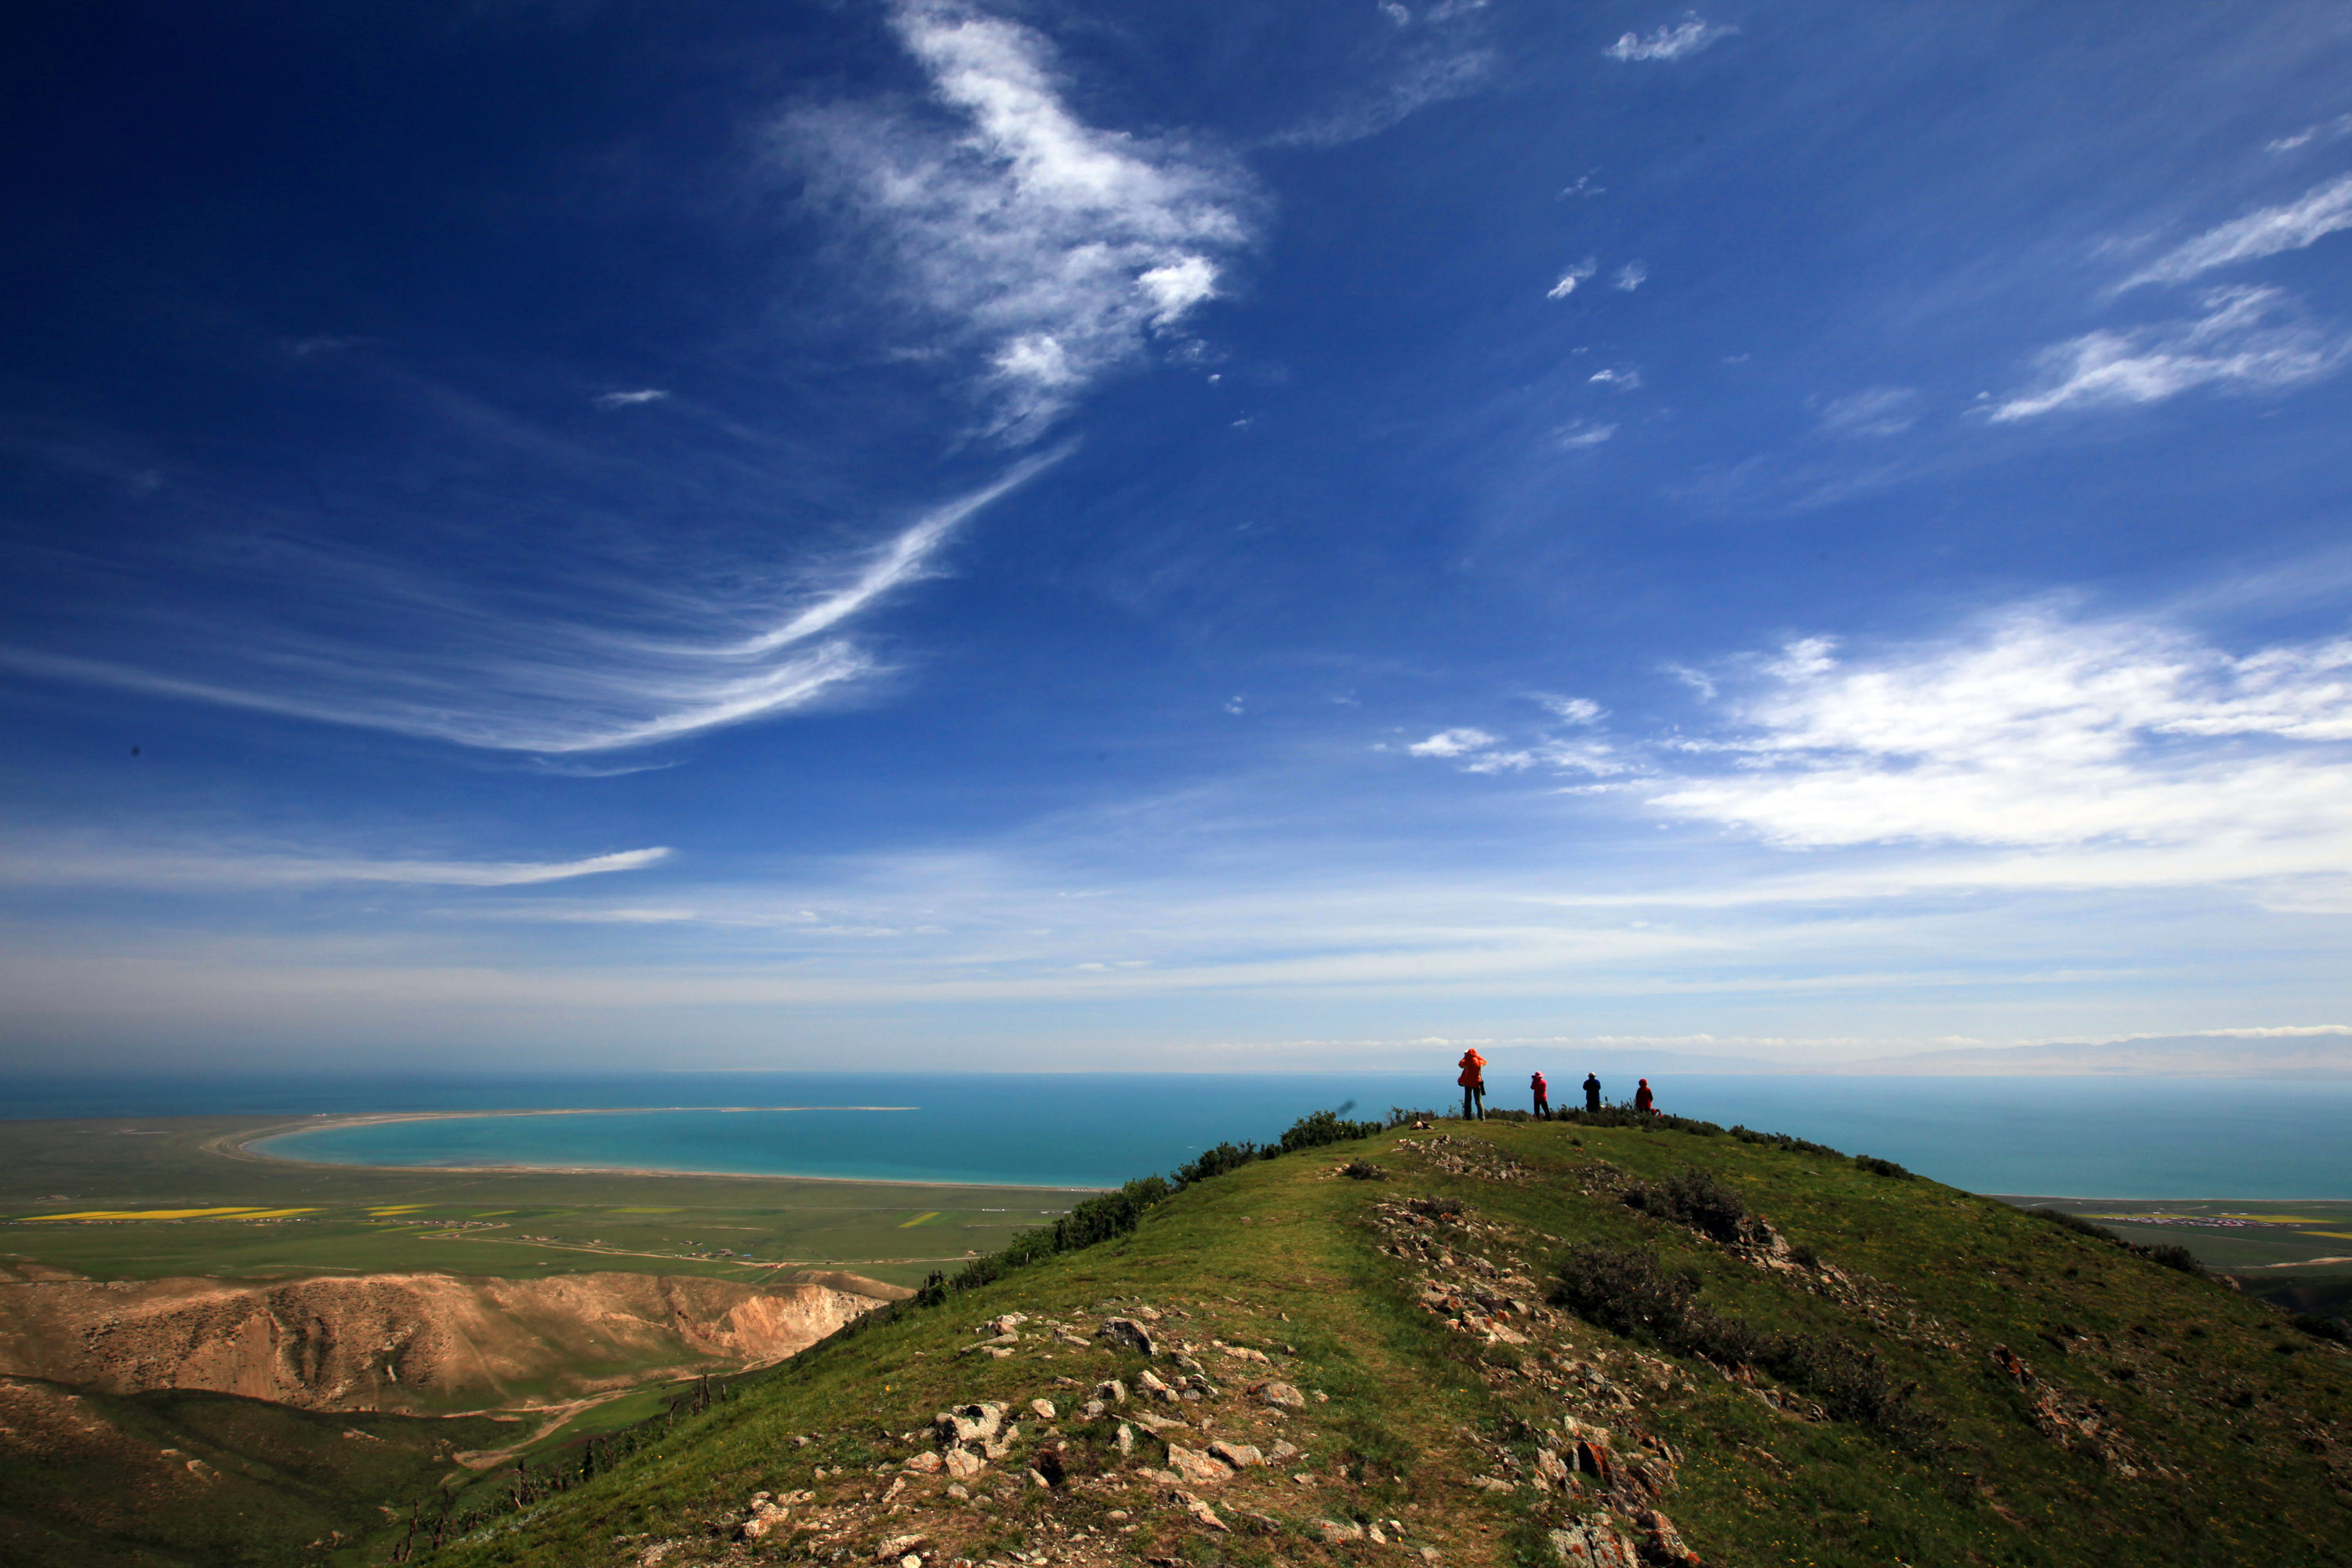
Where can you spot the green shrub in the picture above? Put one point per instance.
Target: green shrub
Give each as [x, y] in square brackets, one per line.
[1324, 1127]
[1638, 1296]
[1783, 1141]
[1878, 1167]
[1115, 1214]
[1631, 1292]
[1692, 1197]
[1363, 1171]
[2163, 1256]
[1216, 1161]
[2333, 1329]
[1623, 1115]
[2078, 1225]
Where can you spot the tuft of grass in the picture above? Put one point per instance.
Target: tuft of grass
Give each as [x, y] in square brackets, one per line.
[1363, 1171]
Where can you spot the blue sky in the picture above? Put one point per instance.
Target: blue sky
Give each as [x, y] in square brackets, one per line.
[1168, 535]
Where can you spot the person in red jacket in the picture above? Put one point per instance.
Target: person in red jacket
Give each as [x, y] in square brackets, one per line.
[1543, 1096]
[1643, 1101]
[1473, 1086]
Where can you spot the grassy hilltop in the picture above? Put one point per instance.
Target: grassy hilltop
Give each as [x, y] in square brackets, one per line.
[1509, 1342]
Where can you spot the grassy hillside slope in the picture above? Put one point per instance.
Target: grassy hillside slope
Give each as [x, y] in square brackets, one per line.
[1770, 1355]
[157, 1480]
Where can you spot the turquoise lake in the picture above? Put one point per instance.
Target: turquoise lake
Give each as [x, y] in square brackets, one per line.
[2105, 1137]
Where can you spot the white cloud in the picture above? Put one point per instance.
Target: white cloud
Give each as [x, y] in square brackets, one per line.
[1574, 709]
[630, 399]
[2239, 343]
[1054, 250]
[1631, 276]
[2041, 734]
[1876, 411]
[1452, 744]
[2326, 129]
[1624, 380]
[1595, 757]
[2318, 213]
[451, 668]
[163, 866]
[1480, 753]
[1572, 277]
[1687, 37]
[1580, 434]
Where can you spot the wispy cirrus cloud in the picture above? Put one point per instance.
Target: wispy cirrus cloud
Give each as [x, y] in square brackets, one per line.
[643, 395]
[2324, 130]
[117, 864]
[628, 665]
[2319, 212]
[1432, 75]
[1687, 37]
[1049, 250]
[1874, 411]
[2246, 340]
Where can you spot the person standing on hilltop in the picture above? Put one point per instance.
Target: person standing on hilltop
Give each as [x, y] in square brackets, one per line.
[1473, 1086]
[1643, 1101]
[1543, 1096]
[1591, 1091]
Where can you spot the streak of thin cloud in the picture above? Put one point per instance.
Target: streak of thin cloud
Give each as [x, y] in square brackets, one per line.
[486, 678]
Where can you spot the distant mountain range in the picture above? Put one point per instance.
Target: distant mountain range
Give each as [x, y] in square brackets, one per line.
[2174, 1056]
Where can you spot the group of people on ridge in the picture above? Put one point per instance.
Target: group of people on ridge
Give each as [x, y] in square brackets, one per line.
[1474, 1090]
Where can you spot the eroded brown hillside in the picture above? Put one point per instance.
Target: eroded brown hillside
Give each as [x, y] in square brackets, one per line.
[419, 1342]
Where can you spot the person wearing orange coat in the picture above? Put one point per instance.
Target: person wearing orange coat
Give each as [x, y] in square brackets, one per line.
[1542, 1091]
[1473, 1086]
[1643, 1101]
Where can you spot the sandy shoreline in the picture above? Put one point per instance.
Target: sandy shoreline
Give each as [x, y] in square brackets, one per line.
[243, 1146]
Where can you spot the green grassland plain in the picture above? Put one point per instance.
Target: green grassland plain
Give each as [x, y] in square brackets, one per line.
[271, 1219]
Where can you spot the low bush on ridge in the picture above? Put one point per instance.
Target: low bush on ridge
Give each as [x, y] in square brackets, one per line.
[1638, 1296]
[2164, 1254]
[1693, 1198]
[1115, 1214]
